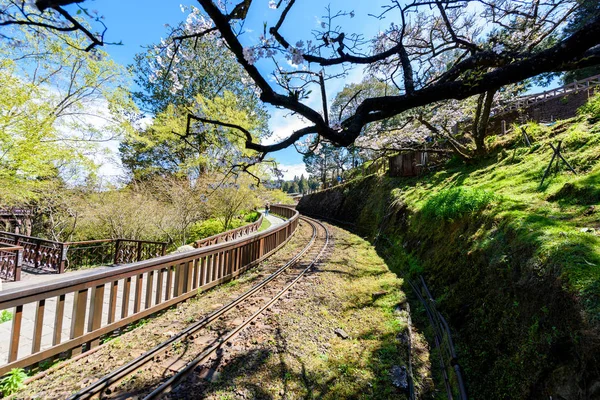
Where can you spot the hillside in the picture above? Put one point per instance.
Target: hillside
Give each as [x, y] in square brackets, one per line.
[513, 264]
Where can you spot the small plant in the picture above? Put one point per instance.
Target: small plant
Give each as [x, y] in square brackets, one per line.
[5, 316]
[13, 381]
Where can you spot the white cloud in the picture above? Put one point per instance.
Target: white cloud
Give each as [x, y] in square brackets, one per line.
[283, 125]
[289, 171]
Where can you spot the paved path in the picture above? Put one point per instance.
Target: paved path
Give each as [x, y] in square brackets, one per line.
[28, 320]
[274, 220]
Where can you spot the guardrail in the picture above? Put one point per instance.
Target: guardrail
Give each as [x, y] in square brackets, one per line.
[38, 254]
[42, 255]
[11, 259]
[530, 100]
[97, 303]
[230, 235]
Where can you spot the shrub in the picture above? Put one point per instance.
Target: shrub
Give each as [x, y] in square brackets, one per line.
[456, 202]
[13, 381]
[204, 229]
[252, 216]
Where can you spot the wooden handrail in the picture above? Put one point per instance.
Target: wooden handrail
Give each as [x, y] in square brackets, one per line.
[11, 248]
[167, 280]
[532, 99]
[224, 236]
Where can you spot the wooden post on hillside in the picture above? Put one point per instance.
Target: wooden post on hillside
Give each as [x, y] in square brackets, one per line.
[558, 157]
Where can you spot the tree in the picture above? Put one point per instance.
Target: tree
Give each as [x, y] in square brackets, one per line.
[587, 11]
[160, 149]
[56, 104]
[302, 185]
[184, 201]
[438, 50]
[231, 197]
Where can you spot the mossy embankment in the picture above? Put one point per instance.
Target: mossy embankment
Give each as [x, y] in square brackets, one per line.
[514, 265]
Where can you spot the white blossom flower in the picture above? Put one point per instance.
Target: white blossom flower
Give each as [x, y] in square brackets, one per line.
[272, 4]
[249, 55]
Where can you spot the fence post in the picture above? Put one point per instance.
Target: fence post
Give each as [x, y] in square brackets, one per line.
[38, 255]
[18, 263]
[139, 251]
[63, 257]
[117, 248]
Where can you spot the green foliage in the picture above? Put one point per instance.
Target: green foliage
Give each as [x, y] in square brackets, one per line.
[13, 381]
[591, 109]
[456, 202]
[5, 316]
[211, 227]
[252, 216]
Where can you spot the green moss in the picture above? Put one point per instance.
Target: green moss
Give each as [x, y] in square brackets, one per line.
[515, 265]
[456, 202]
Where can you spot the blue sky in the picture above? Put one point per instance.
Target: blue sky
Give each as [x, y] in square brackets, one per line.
[137, 26]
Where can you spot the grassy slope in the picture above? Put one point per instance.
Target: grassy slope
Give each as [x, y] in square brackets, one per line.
[506, 257]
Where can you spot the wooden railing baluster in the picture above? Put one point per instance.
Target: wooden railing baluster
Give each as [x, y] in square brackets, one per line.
[38, 326]
[78, 317]
[112, 301]
[15, 334]
[125, 297]
[137, 300]
[58, 319]
[95, 313]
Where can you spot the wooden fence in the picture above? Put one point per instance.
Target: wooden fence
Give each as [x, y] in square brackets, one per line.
[40, 255]
[96, 303]
[527, 101]
[11, 259]
[48, 256]
[230, 235]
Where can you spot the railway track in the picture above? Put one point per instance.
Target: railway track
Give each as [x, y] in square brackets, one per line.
[170, 362]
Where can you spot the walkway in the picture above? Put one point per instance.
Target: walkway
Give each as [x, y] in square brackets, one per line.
[28, 321]
[274, 220]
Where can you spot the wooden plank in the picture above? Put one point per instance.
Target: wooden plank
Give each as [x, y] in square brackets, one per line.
[149, 287]
[190, 276]
[137, 300]
[202, 263]
[38, 326]
[179, 280]
[112, 301]
[15, 334]
[125, 297]
[78, 317]
[168, 289]
[159, 286]
[95, 316]
[195, 273]
[58, 319]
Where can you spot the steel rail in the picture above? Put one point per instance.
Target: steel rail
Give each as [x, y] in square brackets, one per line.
[174, 380]
[110, 379]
